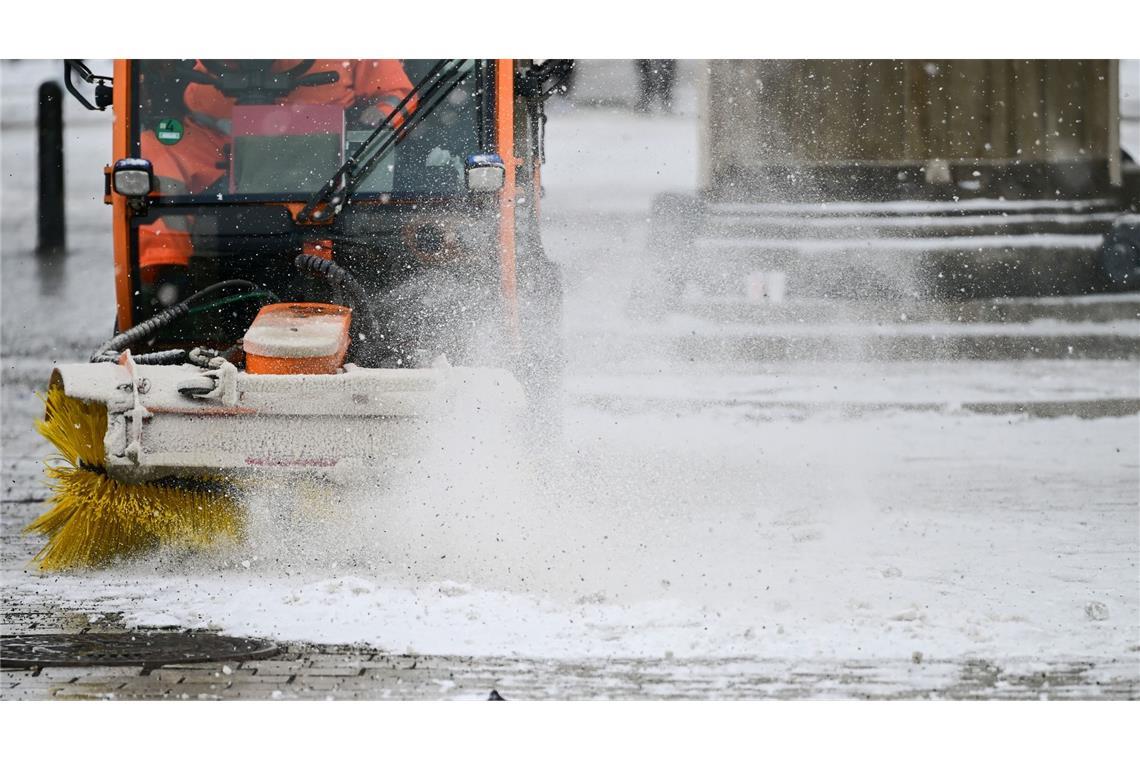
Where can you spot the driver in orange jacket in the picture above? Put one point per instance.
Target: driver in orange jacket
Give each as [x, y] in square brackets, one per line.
[369, 91]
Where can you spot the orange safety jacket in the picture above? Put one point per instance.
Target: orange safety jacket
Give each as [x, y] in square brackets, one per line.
[192, 165]
[198, 160]
[381, 83]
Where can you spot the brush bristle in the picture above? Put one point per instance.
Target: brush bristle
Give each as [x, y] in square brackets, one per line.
[94, 518]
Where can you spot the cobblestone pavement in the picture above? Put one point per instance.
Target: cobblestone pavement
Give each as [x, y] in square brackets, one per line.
[320, 673]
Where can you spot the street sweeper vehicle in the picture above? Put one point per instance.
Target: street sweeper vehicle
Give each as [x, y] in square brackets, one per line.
[311, 258]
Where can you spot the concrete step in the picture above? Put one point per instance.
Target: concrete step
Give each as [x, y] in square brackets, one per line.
[1041, 389]
[770, 410]
[970, 267]
[950, 267]
[973, 248]
[1095, 308]
[775, 250]
[748, 228]
[904, 347]
[974, 206]
[687, 339]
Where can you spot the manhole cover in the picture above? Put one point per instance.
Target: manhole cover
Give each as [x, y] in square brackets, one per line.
[138, 648]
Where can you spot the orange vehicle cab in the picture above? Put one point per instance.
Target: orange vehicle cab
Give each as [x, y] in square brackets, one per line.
[309, 213]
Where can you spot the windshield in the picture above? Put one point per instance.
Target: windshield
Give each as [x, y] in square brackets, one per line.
[280, 128]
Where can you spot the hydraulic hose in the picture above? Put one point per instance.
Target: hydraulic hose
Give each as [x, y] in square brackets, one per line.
[173, 356]
[110, 350]
[337, 275]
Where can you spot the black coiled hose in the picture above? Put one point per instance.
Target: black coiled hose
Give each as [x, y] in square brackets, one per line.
[173, 356]
[337, 275]
[110, 350]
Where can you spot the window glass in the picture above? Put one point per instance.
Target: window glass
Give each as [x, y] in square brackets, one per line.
[281, 128]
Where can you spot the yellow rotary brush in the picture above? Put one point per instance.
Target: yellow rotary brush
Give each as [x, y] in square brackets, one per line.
[94, 518]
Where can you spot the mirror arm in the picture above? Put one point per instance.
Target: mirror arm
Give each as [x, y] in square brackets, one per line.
[103, 91]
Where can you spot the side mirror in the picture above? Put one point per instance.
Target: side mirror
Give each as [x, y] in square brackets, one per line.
[104, 93]
[133, 178]
[485, 173]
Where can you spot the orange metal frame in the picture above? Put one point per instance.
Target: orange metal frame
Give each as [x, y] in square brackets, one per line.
[505, 144]
[505, 140]
[121, 226]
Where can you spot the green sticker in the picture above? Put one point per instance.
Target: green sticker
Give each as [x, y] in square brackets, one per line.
[168, 131]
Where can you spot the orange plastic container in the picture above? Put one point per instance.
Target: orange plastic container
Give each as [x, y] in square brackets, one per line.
[297, 339]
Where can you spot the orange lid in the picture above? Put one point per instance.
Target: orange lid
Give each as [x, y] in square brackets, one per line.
[297, 338]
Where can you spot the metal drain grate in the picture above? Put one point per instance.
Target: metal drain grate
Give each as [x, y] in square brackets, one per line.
[141, 648]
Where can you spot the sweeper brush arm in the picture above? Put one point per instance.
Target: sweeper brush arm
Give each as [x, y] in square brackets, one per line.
[159, 455]
[182, 421]
[94, 518]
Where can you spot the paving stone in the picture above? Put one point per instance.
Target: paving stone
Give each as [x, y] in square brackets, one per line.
[276, 667]
[103, 672]
[204, 666]
[79, 692]
[165, 675]
[269, 680]
[205, 679]
[324, 671]
[319, 683]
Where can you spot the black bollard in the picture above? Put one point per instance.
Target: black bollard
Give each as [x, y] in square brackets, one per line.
[50, 230]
